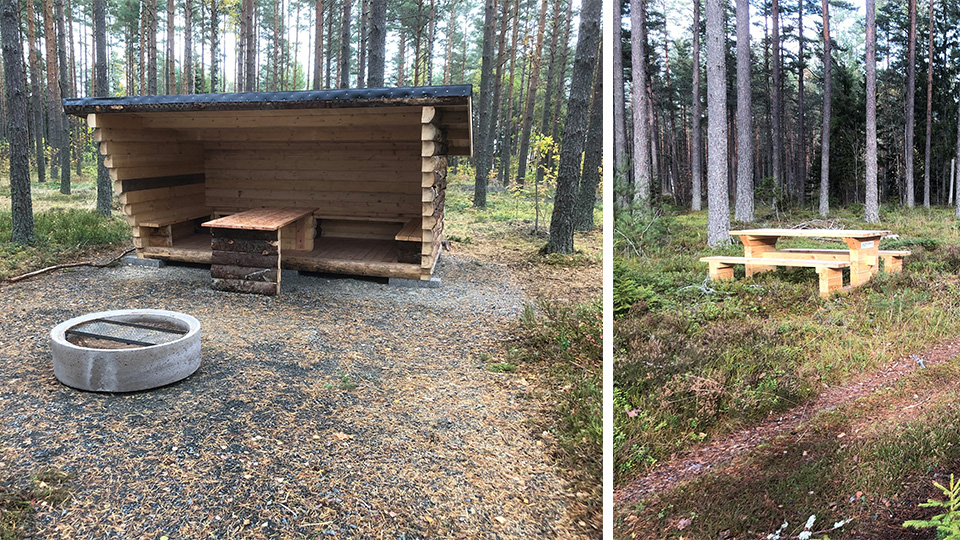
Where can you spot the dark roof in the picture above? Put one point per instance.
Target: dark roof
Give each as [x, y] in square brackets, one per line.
[308, 99]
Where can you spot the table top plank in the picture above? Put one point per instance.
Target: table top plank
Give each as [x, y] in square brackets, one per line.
[805, 233]
[260, 219]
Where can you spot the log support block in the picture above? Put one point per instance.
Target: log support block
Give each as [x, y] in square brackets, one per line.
[245, 261]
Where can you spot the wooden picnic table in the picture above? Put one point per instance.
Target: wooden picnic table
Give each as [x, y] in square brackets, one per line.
[247, 247]
[861, 256]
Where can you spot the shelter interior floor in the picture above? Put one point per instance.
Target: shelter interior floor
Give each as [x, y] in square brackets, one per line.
[354, 256]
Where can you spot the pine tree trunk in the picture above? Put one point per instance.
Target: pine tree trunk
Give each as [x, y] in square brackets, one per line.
[642, 176]
[498, 80]
[483, 151]
[696, 132]
[36, 104]
[593, 153]
[744, 206]
[378, 43]
[872, 202]
[556, 121]
[548, 93]
[102, 88]
[362, 44]
[344, 68]
[509, 125]
[171, 74]
[718, 215]
[54, 112]
[801, 179]
[620, 154]
[909, 105]
[329, 56]
[16, 119]
[250, 46]
[64, 84]
[318, 46]
[777, 127]
[926, 153]
[825, 129]
[531, 97]
[401, 60]
[431, 35]
[151, 47]
[188, 47]
[957, 161]
[214, 46]
[450, 28]
[575, 130]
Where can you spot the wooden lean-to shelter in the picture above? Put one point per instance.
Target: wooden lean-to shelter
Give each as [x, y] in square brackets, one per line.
[367, 166]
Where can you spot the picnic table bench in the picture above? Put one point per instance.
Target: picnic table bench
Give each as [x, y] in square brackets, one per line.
[247, 247]
[761, 255]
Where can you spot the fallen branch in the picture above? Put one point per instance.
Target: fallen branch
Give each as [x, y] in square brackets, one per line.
[68, 265]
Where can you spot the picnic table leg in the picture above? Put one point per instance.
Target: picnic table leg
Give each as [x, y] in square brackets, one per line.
[892, 264]
[756, 246]
[720, 271]
[831, 279]
[864, 253]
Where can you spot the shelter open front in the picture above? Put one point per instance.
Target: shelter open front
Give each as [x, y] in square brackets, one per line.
[371, 163]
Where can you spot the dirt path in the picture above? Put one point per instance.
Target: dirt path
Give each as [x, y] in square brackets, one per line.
[341, 408]
[728, 450]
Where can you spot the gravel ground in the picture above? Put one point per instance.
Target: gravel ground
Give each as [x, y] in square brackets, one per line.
[342, 408]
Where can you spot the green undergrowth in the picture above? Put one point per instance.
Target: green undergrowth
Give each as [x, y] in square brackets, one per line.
[873, 460]
[18, 506]
[566, 341]
[59, 236]
[695, 359]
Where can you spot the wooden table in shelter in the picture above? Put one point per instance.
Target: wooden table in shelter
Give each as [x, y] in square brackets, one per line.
[247, 247]
[861, 256]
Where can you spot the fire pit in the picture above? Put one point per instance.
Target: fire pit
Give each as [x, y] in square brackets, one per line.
[125, 350]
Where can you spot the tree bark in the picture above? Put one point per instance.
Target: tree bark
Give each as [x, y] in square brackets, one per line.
[801, 180]
[104, 184]
[498, 81]
[378, 42]
[551, 76]
[718, 216]
[531, 97]
[55, 118]
[641, 112]
[926, 153]
[574, 132]
[592, 156]
[447, 68]
[188, 81]
[36, 105]
[744, 206]
[151, 47]
[362, 44]
[696, 131]
[317, 45]
[345, 46]
[171, 87]
[509, 124]
[777, 104]
[484, 153]
[214, 46]
[825, 129]
[21, 207]
[872, 203]
[909, 105]
[957, 178]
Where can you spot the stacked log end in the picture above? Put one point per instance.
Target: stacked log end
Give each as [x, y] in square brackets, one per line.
[245, 261]
[433, 171]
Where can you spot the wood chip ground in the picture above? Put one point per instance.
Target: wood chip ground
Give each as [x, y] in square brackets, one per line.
[340, 409]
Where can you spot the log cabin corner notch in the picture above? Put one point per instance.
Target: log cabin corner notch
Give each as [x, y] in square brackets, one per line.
[371, 162]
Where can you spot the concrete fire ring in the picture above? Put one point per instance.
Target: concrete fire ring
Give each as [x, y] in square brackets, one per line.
[127, 370]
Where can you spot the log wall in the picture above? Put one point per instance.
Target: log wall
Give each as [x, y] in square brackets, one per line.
[157, 176]
[433, 188]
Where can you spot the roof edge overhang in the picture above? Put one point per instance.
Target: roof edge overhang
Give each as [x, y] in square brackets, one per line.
[451, 95]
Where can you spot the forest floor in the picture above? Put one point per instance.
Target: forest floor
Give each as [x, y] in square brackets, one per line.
[844, 408]
[341, 407]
